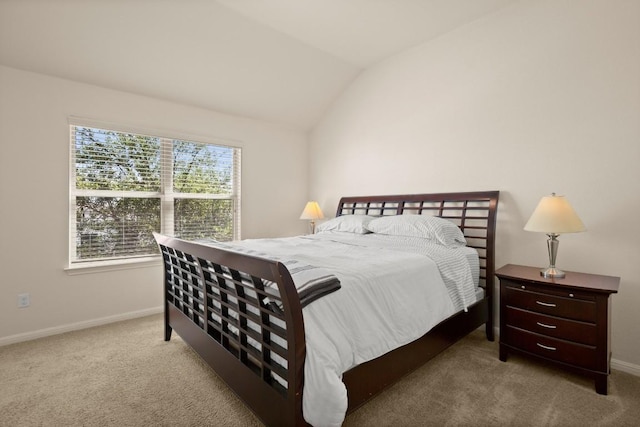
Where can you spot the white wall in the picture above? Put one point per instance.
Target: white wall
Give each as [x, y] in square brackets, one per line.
[34, 153]
[543, 96]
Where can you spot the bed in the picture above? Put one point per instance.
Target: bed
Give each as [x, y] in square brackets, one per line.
[241, 311]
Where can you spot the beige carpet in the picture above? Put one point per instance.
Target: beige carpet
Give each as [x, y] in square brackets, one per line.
[116, 375]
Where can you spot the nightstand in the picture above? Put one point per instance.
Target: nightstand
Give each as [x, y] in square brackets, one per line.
[565, 321]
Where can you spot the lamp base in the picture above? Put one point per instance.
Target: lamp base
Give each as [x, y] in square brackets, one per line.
[552, 273]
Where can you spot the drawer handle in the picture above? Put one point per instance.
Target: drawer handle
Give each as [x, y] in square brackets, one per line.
[546, 304]
[546, 347]
[546, 326]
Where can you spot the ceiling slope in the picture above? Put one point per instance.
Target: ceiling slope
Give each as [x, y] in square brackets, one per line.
[363, 32]
[281, 61]
[194, 52]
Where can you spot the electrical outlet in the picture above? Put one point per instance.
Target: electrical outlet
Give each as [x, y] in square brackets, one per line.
[24, 300]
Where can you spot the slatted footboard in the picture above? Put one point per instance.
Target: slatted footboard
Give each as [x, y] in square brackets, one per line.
[216, 301]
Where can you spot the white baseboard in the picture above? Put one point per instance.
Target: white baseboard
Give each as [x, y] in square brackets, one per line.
[28, 336]
[627, 367]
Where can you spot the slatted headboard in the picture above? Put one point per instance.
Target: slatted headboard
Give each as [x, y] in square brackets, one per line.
[473, 212]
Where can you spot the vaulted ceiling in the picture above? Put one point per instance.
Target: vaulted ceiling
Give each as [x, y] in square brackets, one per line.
[282, 61]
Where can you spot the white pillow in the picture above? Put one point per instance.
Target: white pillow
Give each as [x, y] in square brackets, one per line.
[349, 223]
[424, 226]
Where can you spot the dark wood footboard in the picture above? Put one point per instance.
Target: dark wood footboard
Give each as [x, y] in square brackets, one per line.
[215, 300]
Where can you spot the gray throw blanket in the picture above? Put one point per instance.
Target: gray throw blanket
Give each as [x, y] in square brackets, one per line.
[311, 282]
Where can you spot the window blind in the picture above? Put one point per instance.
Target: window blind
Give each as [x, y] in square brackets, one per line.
[124, 186]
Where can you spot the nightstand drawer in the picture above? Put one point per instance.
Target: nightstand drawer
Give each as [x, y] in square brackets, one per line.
[551, 348]
[580, 332]
[577, 309]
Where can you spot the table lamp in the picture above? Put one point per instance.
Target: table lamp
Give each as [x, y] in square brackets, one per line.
[312, 212]
[554, 216]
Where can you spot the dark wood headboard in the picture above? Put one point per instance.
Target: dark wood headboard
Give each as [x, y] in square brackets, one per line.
[473, 212]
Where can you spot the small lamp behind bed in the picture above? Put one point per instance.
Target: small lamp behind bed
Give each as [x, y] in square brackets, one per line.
[312, 212]
[553, 216]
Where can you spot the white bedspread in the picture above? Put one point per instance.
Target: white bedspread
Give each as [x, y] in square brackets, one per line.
[392, 293]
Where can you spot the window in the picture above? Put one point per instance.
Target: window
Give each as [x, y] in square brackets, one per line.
[124, 186]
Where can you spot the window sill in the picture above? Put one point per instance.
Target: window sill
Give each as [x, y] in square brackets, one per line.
[105, 266]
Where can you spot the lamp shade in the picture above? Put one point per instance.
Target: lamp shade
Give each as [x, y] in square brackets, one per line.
[312, 211]
[554, 215]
